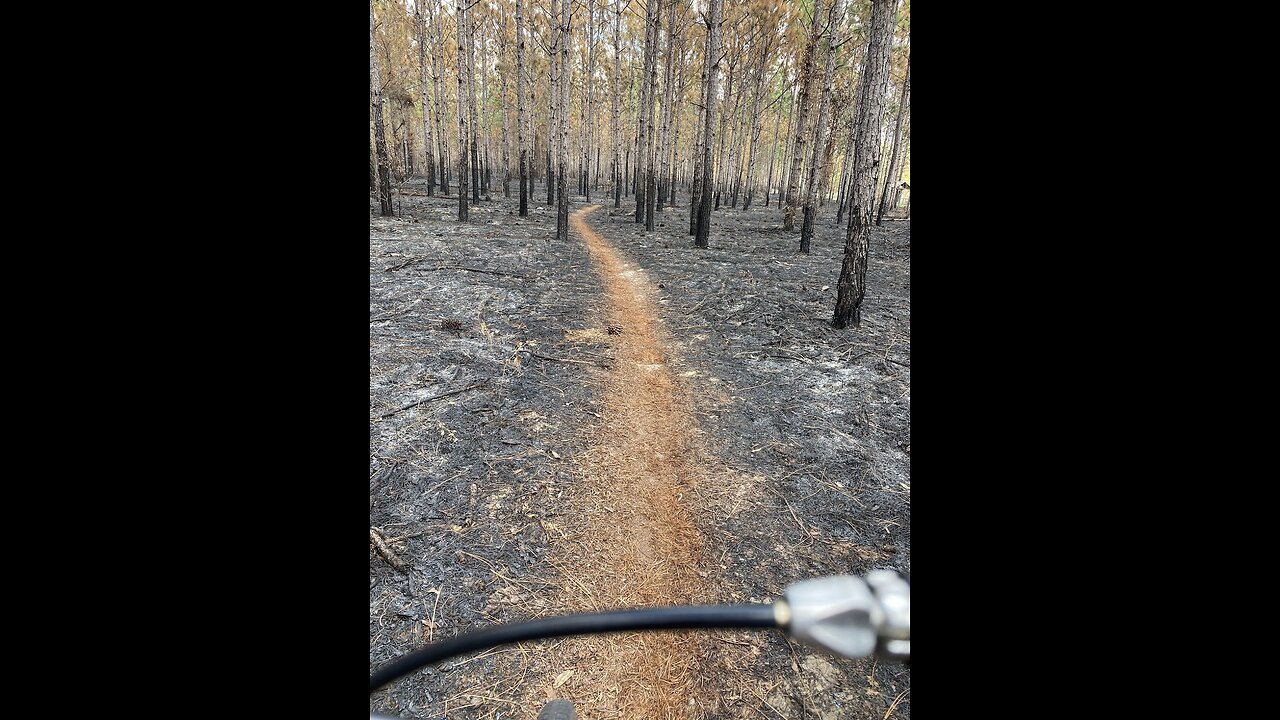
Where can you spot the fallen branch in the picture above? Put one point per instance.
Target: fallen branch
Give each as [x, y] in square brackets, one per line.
[556, 359]
[385, 551]
[441, 396]
[411, 261]
[404, 264]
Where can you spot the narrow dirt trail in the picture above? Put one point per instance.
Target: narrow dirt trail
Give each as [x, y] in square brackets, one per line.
[633, 542]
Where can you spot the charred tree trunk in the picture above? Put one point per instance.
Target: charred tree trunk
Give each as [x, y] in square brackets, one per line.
[472, 125]
[699, 144]
[818, 163]
[644, 111]
[712, 75]
[677, 114]
[844, 173]
[668, 97]
[566, 34]
[816, 31]
[437, 65]
[617, 95]
[428, 152]
[463, 136]
[773, 154]
[379, 129]
[520, 116]
[851, 287]
[588, 83]
[506, 142]
[553, 100]
[888, 199]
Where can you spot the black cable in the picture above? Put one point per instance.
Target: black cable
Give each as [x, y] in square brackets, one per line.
[667, 618]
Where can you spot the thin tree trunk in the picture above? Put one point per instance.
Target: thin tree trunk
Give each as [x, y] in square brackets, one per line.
[712, 75]
[816, 31]
[460, 7]
[379, 129]
[520, 112]
[725, 111]
[851, 287]
[553, 100]
[473, 124]
[506, 141]
[699, 144]
[844, 173]
[617, 95]
[651, 153]
[588, 84]
[437, 66]
[566, 39]
[677, 113]
[644, 114]
[773, 154]
[784, 178]
[428, 152]
[756, 127]
[818, 163]
[668, 96]
[892, 178]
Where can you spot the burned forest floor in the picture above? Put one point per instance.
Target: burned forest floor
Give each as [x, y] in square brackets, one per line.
[625, 420]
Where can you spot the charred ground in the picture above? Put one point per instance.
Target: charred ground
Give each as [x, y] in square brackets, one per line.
[806, 431]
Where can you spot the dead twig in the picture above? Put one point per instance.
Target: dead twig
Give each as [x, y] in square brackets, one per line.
[385, 551]
[556, 359]
[896, 700]
[411, 261]
[386, 415]
[404, 264]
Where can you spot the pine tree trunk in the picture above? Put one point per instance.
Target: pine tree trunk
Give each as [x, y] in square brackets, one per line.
[699, 144]
[566, 37]
[644, 111]
[851, 287]
[460, 7]
[615, 119]
[677, 114]
[668, 99]
[816, 31]
[712, 75]
[773, 154]
[891, 180]
[844, 173]
[379, 129]
[756, 98]
[818, 163]
[587, 86]
[506, 142]
[784, 178]
[553, 100]
[428, 152]
[520, 116]
[473, 125]
[437, 65]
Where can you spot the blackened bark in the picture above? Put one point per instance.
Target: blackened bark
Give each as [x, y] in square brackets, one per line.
[817, 164]
[851, 287]
[888, 199]
[520, 117]
[713, 71]
[562, 217]
[461, 14]
[379, 129]
[816, 31]
[428, 153]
